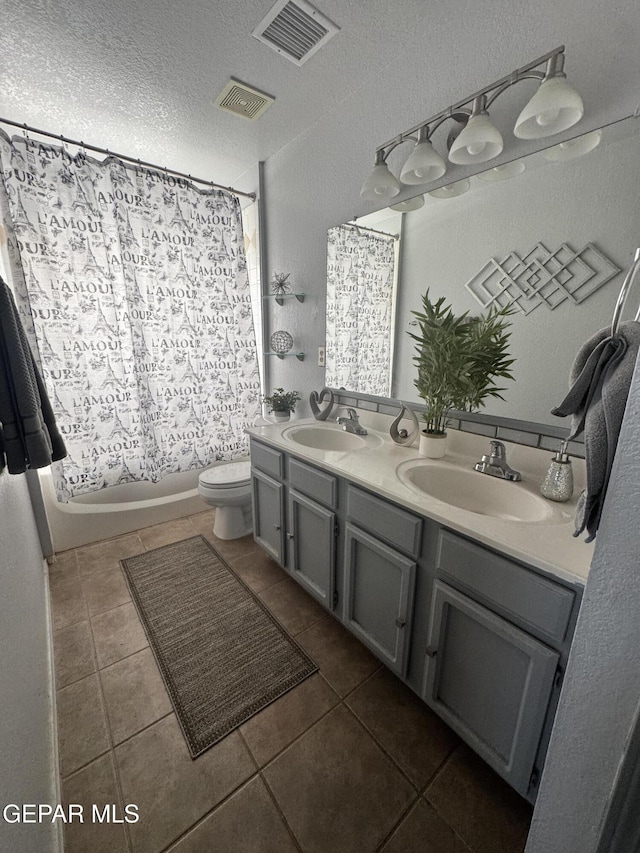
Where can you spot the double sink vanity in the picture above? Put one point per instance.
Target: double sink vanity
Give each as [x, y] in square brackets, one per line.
[466, 586]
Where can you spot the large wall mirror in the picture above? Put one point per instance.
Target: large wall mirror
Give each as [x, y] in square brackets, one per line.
[556, 231]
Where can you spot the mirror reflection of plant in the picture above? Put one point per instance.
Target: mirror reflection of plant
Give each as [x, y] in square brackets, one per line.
[282, 401]
[458, 358]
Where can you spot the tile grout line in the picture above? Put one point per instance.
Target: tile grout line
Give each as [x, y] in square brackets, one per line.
[397, 825]
[112, 751]
[382, 749]
[423, 796]
[296, 739]
[439, 770]
[270, 793]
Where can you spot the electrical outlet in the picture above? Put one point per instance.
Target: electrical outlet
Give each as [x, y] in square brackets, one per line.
[321, 356]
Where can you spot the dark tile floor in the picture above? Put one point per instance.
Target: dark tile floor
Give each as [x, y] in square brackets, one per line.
[350, 760]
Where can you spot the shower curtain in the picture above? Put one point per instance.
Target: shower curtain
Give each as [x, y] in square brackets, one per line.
[132, 285]
[360, 287]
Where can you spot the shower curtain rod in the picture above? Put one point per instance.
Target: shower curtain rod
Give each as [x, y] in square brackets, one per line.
[134, 160]
[371, 230]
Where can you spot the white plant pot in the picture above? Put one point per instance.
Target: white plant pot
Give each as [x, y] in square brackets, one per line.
[280, 417]
[432, 445]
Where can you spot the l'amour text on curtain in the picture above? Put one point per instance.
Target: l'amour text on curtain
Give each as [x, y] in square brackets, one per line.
[360, 288]
[134, 286]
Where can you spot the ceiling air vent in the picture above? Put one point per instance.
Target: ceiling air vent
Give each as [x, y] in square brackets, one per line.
[295, 29]
[243, 100]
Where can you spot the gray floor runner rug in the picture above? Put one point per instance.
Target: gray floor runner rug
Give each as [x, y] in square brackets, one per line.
[222, 654]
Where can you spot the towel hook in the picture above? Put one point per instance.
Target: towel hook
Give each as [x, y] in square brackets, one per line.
[622, 296]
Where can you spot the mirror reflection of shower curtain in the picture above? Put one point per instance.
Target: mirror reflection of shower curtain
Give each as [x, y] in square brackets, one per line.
[133, 286]
[361, 275]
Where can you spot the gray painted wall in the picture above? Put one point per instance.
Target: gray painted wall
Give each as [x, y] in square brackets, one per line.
[27, 765]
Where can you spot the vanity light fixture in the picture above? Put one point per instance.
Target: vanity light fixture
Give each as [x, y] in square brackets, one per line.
[573, 148]
[452, 190]
[502, 173]
[414, 203]
[554, 107]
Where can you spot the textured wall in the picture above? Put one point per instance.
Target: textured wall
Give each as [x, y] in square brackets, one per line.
[599, 699]
[26, 749]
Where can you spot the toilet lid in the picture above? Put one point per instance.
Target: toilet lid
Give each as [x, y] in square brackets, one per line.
[227, 474]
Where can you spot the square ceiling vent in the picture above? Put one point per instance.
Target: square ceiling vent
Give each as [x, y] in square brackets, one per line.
[295, 29]
[243, 100]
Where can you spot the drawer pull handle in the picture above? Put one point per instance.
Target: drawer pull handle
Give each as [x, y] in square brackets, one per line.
[400, 623]
[289, 535]
[431, 652]
[277, 526]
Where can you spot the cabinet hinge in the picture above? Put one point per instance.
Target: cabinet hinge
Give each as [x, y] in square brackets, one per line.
[336, 529]
[557, 678]
[335, 598]
[535, 778]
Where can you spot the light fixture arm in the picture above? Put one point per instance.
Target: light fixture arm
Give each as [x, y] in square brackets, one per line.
[421, 132]
[554, 107]
[555, 66]
[554, 60]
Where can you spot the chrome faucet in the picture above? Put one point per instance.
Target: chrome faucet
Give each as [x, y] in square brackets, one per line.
[351, 423]
[495, 463]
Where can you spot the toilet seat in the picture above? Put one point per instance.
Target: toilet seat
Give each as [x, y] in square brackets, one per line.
[227, 475]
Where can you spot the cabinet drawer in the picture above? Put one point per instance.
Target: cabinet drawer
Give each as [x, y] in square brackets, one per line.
[313, 483]
[386, 521]
[530, 599]
[266, 459]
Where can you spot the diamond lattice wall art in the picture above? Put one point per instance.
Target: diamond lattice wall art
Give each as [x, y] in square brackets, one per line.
[542, 277]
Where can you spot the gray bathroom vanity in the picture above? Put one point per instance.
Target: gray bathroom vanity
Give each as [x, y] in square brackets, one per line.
[481, 637]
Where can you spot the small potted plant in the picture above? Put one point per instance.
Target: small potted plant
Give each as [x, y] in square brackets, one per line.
[457, 358]
[281, 403]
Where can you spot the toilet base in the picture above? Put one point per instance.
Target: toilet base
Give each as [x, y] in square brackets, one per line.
[232, 522]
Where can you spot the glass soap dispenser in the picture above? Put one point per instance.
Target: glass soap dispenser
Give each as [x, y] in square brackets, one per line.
[558, 482]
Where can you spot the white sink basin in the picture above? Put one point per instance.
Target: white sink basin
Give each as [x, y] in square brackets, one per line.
[480, 493]
[330, 437]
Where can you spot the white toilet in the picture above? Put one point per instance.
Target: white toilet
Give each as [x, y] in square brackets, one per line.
[227, 487]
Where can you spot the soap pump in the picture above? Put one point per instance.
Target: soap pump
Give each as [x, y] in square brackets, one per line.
[558, 482]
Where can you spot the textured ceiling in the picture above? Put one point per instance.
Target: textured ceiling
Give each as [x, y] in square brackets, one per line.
[140, 77]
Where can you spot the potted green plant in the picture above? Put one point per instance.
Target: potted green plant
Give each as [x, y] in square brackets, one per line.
[281, 403]
[458, 358]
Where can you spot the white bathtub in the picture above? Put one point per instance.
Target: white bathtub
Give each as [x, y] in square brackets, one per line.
[119, 509]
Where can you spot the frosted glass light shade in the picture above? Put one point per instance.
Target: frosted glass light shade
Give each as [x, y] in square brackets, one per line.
[478, 142]
[574, 147]
[410, 204]
[381, 184]
[452, 190]
[423, 165]
[502, 173]
[555, 107]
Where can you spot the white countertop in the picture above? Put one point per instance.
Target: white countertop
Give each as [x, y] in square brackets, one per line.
[547, 545]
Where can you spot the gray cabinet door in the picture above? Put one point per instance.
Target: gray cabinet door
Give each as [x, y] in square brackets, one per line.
[268, 514]
[311, 546]
[490, 681]
[379, 585]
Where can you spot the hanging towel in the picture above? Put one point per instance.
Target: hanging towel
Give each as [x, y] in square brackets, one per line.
[600, 380]
[29, 437]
